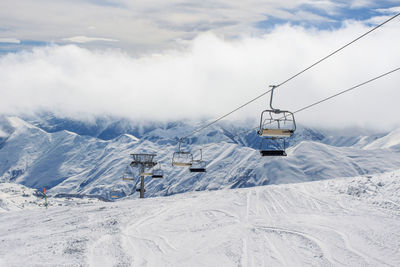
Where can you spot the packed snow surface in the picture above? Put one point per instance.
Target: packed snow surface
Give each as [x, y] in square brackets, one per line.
[338, 222]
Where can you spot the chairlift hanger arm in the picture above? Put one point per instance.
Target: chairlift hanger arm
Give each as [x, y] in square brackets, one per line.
[179, 144]
[271, 97]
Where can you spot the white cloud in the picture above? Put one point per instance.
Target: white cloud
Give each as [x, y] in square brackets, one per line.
[154, 25]
[10, 40]
[377, 20]
[144, 25]
[391, 11]
[212, 77]
[85, 39]
[308, 16]
[362, 3]
[3, 134]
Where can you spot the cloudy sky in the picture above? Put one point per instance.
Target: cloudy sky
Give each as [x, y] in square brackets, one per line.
[159, 60]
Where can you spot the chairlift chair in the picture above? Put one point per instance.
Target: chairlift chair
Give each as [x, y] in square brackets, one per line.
[182, 158]
[128, 174]
[277, 123]
[158, 172]
[275, 126]
[114, 193]
[198, 165]
[275, 147]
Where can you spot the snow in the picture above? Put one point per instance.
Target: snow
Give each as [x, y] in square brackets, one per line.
[390, 140]
[3, 133]
[17, 123]
[132, 137]
[66, 162]
[15, 197]
[339, 222]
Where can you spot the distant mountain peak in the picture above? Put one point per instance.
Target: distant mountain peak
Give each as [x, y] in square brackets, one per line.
[71, 158]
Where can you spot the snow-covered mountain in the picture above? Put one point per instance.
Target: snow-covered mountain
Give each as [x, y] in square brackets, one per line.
[68, 156]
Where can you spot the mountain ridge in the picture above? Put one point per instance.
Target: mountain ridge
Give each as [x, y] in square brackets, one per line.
[67, 162]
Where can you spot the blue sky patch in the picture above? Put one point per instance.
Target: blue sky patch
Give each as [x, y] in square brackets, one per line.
[330, 20]
[6, 48]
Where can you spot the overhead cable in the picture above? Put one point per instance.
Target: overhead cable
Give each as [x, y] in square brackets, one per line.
[289, 79]
[313, 104]
[345, 91]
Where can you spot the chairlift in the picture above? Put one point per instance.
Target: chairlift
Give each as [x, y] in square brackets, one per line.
[128, 174]
[277, 123]
[198, 165]
[273, 147]
[158, 172]
[182, 158]
[275, 126]
[114, 193]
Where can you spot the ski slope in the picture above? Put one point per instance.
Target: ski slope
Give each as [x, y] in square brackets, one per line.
[338, 222]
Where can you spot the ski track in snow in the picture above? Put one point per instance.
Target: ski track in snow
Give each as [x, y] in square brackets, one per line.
[341, 222]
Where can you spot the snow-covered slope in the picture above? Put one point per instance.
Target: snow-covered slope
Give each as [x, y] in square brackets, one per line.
[66, 162]
[388, 141]
[14, 197]
[338, 222]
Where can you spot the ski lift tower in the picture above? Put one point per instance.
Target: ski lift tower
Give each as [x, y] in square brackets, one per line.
[144, 161]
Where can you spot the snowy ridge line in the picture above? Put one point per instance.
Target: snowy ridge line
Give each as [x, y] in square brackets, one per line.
[69, 163]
